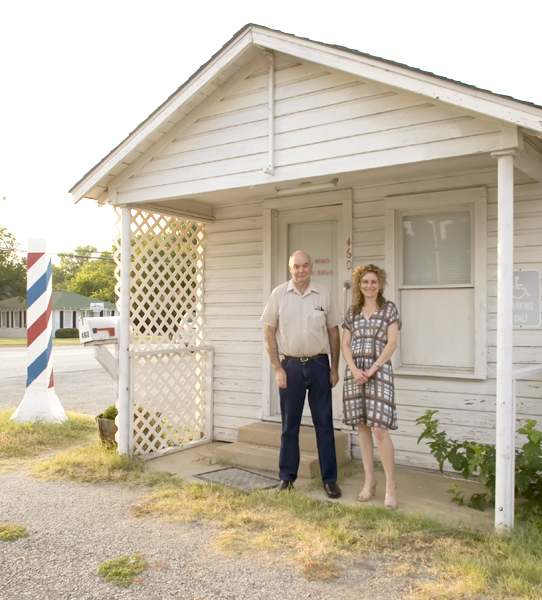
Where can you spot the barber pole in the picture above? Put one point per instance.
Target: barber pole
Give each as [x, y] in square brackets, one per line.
[40, 402]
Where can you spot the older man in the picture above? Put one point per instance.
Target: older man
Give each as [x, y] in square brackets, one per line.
[301, 330]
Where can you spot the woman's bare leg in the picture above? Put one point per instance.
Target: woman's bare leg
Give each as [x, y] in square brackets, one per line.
[387, 456]
[366, 447]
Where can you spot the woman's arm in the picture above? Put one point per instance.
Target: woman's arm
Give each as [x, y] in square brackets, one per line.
[389, 349]
[359, 375]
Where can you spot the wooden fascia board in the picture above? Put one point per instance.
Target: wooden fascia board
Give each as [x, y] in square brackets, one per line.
[186, 92]
[477, 101]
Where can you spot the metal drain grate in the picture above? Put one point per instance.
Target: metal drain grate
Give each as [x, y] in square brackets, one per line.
[240, 479]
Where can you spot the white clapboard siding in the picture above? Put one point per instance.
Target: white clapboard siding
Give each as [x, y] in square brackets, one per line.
[322, 118]
[233, 305]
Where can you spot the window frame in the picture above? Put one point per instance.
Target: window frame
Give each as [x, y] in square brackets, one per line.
[475, 200]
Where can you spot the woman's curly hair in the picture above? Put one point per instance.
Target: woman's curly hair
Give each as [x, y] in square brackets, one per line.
[358, 299]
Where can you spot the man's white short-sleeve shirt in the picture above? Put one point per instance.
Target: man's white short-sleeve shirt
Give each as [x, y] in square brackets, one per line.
[301, 321]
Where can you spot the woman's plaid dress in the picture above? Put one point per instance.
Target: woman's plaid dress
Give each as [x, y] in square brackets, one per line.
[373, 403]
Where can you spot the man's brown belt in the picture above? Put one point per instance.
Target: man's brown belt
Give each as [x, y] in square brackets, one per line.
[303, 359]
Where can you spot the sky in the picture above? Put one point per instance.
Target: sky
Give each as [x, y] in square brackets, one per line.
[76, 77]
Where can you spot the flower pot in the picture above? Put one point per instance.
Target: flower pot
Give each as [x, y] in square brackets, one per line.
[106, 430]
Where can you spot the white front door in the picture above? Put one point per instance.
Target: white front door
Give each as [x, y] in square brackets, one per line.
[319, 232]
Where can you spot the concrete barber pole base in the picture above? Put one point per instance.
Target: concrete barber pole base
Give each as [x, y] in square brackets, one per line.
[40, 402]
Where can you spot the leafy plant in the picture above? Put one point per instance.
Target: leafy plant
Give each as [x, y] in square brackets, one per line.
[474, 459]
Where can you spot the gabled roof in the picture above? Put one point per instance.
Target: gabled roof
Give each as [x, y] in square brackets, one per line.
[16, 303]
[70, 301]
[248, 43]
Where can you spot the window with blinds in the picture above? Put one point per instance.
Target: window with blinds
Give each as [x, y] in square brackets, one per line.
[437, 248]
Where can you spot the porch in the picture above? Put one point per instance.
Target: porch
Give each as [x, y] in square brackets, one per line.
[418, 490]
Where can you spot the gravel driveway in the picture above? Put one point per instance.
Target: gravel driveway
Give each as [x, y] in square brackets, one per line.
[74, 527]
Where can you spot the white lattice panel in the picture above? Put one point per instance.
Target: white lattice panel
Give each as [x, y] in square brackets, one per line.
[169, 400]
[168, 384]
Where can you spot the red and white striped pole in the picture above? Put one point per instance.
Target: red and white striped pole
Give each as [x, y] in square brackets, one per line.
[40, 402]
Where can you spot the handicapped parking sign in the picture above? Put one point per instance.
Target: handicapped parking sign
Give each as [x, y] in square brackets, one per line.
[526, 298]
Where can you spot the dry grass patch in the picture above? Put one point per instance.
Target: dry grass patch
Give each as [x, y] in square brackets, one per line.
[97, 463]
[25, 440]
[319, 536]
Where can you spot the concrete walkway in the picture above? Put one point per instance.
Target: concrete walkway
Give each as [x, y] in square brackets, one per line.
[416, 490]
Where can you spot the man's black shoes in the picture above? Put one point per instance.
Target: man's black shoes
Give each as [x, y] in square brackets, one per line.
[285, 485]
[332, 490]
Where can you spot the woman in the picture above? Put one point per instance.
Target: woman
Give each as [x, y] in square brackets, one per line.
[371, 330]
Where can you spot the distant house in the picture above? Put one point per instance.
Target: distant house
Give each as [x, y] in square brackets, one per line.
[67, 308]
[13, 317]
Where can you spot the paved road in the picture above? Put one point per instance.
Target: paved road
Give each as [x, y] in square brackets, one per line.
[81, 383]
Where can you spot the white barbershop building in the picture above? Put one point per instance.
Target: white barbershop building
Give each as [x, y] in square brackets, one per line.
[280, 143]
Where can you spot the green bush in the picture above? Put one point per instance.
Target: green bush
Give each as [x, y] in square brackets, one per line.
[474, 459]
[110, 413]
[67, 332]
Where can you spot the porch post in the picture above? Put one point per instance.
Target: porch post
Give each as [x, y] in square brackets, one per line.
[125, 417]
[506, 410]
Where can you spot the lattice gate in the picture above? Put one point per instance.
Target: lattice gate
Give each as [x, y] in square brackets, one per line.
[170, 365]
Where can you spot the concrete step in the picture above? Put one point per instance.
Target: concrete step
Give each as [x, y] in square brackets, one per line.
[258, 447]
[268, 434]
[265, 458]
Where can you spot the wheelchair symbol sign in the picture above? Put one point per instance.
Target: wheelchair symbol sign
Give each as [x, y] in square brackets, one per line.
[526, 295]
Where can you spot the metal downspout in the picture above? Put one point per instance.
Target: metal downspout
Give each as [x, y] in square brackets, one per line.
[270, 168]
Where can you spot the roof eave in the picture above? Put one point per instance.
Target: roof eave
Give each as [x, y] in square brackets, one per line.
[522, 114]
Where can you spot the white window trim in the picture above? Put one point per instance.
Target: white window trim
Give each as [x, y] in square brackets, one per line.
[461, 198]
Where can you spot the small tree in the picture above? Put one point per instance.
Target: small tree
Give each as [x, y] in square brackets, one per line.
[95, 278]
[12, 267]
[71, 263]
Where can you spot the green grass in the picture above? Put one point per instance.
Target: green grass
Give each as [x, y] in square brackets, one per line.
[21, 342]
[20, 440]
[10, 532]
[122, 571]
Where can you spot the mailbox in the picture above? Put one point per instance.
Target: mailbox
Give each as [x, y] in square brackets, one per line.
[99, 330]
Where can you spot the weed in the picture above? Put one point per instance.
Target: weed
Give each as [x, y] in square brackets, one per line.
[122, 571]
[10, 532]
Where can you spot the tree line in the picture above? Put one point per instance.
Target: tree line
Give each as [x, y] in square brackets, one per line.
[83, 271]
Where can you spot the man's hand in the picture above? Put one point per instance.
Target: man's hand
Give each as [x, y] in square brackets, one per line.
[280, 378]
[334, 377]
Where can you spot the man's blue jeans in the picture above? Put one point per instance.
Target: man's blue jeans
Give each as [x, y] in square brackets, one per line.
[313, 376]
